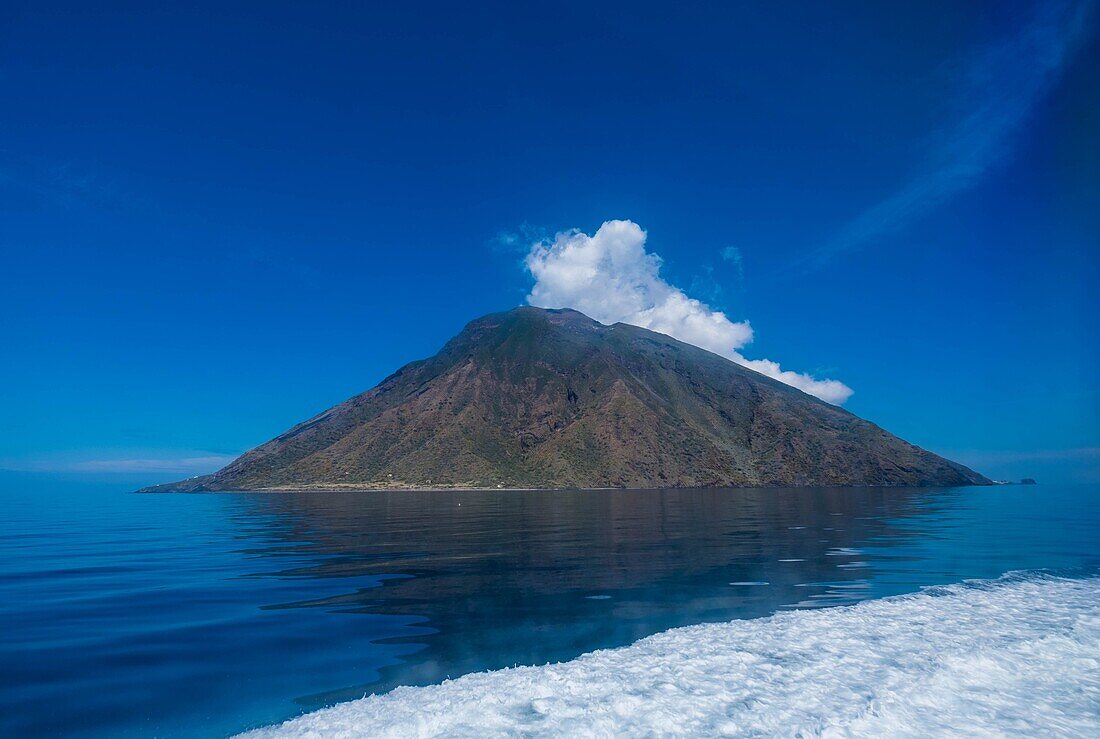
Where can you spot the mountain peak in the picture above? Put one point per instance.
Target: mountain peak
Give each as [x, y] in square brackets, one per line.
[549, 398]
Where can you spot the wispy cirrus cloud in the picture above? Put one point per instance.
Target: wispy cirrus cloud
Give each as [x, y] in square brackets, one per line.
[999, 86]
[63, 184]
[105, 464]
[1071, 465]
[732, 255]
[610, 277]
[985, 457]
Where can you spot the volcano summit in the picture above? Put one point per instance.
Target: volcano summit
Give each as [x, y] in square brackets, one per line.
[536, 398]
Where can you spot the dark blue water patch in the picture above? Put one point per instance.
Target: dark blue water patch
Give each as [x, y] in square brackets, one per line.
[199, 615]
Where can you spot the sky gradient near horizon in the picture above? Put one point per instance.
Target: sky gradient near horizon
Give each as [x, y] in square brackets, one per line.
[218, 220]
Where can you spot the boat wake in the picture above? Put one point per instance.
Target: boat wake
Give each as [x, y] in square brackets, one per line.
[1019, 655]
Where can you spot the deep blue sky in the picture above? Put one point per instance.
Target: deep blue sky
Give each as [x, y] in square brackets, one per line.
[217, 221]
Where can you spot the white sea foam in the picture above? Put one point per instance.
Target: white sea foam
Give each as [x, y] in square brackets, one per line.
[1015, 656]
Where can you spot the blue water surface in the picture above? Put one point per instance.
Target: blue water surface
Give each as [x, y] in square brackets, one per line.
[200, 615]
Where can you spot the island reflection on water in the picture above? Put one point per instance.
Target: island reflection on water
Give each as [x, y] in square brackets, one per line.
[497, 579]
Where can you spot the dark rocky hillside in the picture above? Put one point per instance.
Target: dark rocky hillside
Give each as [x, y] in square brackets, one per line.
[535, 398]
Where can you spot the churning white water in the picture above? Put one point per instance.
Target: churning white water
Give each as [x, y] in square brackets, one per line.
[1018, 656]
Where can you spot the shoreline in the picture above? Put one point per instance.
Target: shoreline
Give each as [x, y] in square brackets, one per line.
[351, 488]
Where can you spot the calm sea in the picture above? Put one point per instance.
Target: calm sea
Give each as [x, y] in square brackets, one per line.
[201, 615]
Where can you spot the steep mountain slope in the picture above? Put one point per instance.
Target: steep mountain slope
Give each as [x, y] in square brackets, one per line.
[546, 399]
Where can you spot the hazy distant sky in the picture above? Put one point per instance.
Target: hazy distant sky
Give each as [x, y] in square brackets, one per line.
[219, 219]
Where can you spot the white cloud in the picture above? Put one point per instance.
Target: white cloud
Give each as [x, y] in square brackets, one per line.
[831, 391]
[611, 277]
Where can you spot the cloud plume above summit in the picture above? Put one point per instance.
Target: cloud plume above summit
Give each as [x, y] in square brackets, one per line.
[610, 277]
